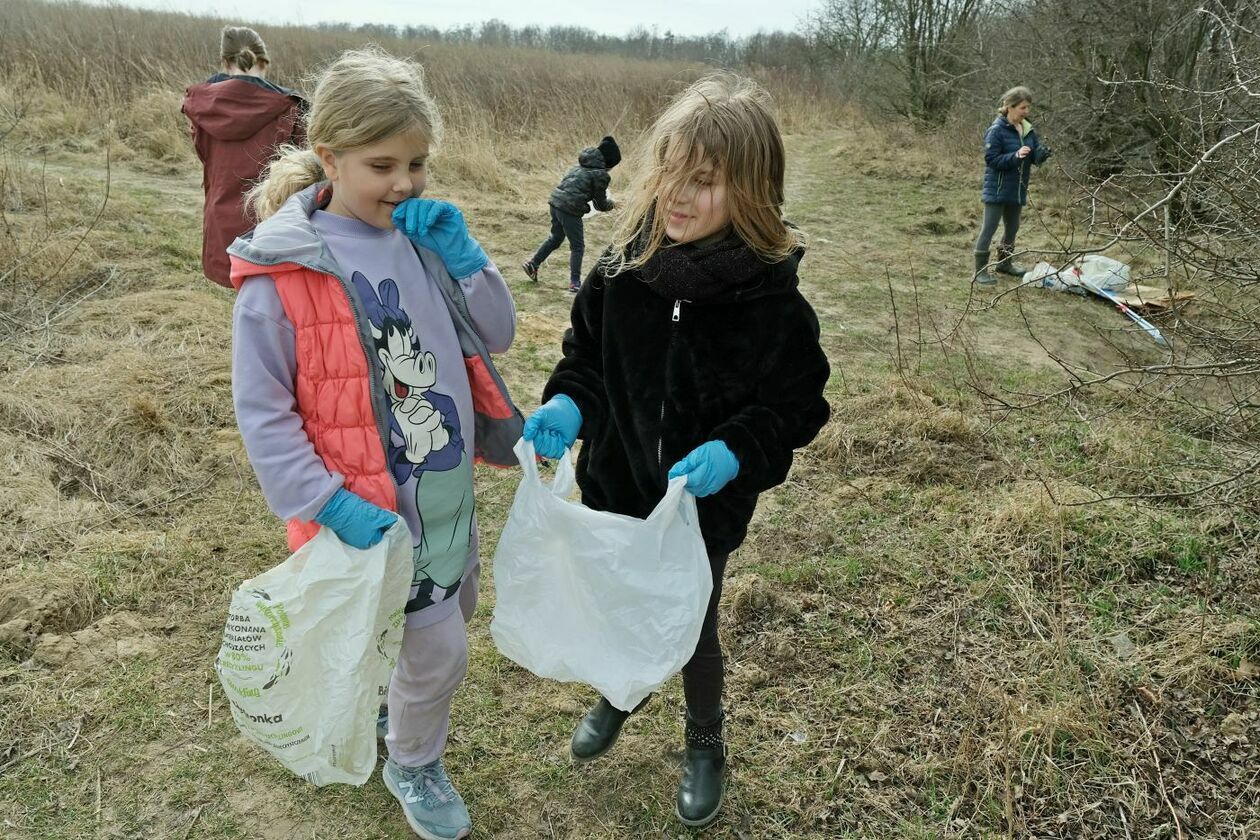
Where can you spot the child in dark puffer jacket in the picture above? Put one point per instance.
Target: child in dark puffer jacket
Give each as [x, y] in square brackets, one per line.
[582, 185]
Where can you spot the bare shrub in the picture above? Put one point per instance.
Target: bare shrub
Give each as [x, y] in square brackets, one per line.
[1192, 219]
[927, 45]
[45, 263]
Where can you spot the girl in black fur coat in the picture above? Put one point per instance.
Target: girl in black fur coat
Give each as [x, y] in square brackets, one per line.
[692, 353]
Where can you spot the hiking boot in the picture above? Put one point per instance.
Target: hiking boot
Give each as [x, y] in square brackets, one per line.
[704, 775]
[597, 732]
[430, 803]
[982, 277]
[1005, 264]
[531, 270]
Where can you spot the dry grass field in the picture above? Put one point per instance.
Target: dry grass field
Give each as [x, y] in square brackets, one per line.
[929, 632]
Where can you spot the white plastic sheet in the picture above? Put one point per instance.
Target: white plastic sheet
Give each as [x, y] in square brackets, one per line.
[599, 598]
[308, 649]
[1092, 271]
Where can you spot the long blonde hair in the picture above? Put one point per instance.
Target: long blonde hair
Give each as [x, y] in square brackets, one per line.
[723, 120]
[363, 97]
[242, 47]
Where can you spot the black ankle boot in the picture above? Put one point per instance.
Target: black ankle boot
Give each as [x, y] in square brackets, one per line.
[704, 775]
[597, 732]
[1006, 264]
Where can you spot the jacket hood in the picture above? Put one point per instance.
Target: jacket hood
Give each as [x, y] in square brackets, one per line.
[233, 109]
[288, 240]
[285, 238]
[592, 158]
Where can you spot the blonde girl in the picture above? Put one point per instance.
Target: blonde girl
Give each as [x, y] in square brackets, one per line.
[363, 383]
[692, 353]
[1011, 147]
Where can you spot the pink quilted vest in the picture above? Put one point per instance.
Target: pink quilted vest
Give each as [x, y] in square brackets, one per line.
[332, 386]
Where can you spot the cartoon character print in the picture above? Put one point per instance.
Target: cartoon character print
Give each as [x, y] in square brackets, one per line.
[425, 444]
[424, 424]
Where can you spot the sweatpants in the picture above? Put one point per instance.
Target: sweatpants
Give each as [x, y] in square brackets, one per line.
[431, 665]
[1008, 214]
[564, 224]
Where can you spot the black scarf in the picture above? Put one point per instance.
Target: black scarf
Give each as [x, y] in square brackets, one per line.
[719, 267]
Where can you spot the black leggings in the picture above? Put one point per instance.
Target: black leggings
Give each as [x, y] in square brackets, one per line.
[704, 673]
[1008, 214]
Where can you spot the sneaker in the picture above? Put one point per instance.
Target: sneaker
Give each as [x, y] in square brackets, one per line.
[433, 808]
[575, 287]
[531, 270]
[382, 723]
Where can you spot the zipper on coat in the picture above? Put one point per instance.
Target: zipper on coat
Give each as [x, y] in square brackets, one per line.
[660, 423]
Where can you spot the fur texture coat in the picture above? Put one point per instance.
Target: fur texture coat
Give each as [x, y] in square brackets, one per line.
[703, 343]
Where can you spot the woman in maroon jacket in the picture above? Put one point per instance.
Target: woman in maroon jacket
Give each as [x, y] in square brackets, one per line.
[239, 119]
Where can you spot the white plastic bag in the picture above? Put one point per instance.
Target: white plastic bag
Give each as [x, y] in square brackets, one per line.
[308, 649]
[1092, 271]
[587, 596]
[1101, 272]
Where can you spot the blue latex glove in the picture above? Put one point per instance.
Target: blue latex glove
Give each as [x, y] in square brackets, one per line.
[440, 227]
[357, 521]
[553, 427]
[708, 467]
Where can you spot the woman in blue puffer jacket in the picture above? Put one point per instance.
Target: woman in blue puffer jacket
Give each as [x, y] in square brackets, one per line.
[1011, 147]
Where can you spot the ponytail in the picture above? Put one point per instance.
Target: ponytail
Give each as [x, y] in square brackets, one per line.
[242, 47]
[292, 171]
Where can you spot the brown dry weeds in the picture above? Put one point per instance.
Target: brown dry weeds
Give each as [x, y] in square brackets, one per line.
[926, 636]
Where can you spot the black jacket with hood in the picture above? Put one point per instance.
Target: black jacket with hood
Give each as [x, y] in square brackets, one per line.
[656, 375]
[585, 183]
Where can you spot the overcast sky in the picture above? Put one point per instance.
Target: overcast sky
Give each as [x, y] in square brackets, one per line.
[685, 17]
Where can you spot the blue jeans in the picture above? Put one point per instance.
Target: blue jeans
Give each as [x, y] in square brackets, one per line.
[564, 225]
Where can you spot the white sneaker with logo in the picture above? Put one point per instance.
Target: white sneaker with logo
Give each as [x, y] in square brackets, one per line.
[433, 808]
